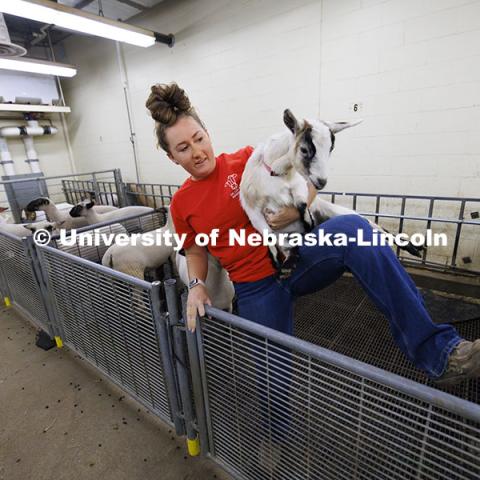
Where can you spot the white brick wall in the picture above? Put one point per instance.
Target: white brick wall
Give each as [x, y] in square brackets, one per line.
[412, 65]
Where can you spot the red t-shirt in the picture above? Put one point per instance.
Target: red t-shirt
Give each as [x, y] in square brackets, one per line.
[214, 202]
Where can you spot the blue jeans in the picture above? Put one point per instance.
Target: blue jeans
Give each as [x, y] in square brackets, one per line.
[270, 301]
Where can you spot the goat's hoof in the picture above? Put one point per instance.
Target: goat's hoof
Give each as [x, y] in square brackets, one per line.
[287, 268]
[414, 250]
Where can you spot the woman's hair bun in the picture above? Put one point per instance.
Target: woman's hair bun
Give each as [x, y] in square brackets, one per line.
[166, 102]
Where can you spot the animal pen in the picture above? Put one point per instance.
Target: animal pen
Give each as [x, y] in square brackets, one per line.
[339, 396]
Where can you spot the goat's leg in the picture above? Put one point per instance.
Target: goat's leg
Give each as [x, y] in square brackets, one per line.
[305, 216]
[322, 210]
[260, 224]
[282, 164]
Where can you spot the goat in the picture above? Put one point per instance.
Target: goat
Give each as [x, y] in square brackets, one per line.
[54, 214]
[85, 209]
[276, 176]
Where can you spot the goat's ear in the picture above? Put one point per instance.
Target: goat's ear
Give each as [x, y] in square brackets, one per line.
[336, 127]
[290, 121]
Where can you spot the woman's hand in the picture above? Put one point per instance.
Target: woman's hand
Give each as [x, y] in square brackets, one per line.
[285, 216]
[197, 297]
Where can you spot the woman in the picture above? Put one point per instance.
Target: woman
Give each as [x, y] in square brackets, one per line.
[209, 199]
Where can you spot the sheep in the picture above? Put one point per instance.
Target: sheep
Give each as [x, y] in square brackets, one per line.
[85, 209]
[218, 284]
[276, 176]
[2, 211]
[95, 251]
[54, 214]
[135, 259]
[27, 229]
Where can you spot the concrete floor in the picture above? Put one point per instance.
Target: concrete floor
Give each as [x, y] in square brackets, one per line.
[59, 418]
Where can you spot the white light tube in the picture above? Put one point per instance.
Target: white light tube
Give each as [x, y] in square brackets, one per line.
[73, 19]
[22, 64]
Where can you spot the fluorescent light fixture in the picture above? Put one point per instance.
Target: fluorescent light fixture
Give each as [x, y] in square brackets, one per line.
[22, 64]
[73, 19]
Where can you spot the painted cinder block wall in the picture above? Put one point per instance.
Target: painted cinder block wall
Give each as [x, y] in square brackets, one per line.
[411, 66]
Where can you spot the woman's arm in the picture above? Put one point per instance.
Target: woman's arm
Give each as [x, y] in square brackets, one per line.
[287, 215]
[197, 264]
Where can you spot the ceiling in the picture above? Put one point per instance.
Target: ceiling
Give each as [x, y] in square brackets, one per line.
[27, 33]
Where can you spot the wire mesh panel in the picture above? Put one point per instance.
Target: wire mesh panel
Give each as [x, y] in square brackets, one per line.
[280, 408]
[454, 217]
[153, 195]
[21, 281]
[342, 318]
[103, 192]
[18, 192]
[108, 319]
[92, 242]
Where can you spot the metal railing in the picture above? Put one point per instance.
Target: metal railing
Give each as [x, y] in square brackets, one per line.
[132, 224]
[457, 217]
[107, 185]
[276, 407]
[154, 195]
[21, 280]
[104, 189]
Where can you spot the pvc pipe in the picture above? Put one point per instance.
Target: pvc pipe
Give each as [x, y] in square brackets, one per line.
[28, 130]
[6, 158]
[32, 158]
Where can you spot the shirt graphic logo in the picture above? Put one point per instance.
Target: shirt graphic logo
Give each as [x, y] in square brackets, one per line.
[233, 185]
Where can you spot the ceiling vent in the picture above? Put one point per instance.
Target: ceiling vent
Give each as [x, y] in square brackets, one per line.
[7, 48]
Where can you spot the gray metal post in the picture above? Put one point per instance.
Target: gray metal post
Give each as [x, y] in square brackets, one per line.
[38, 275]
[181, 364]
[96, 190]
[120, 187]
[4, 287]
[165, 352]
[46, 281]
[197, 385]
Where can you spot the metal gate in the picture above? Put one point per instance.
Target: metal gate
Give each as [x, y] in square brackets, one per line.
[281, 408]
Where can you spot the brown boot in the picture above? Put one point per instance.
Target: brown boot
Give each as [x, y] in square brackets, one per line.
[463, 363]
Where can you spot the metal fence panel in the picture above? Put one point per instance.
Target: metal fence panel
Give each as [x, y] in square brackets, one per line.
[343, 319]
[17, 193]
[456, 217]
[21, 281]
[280, 408]
[154, 195]
[107, 317]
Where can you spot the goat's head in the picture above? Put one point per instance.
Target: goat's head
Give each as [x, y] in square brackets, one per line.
[314, 141]
[81, 209]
